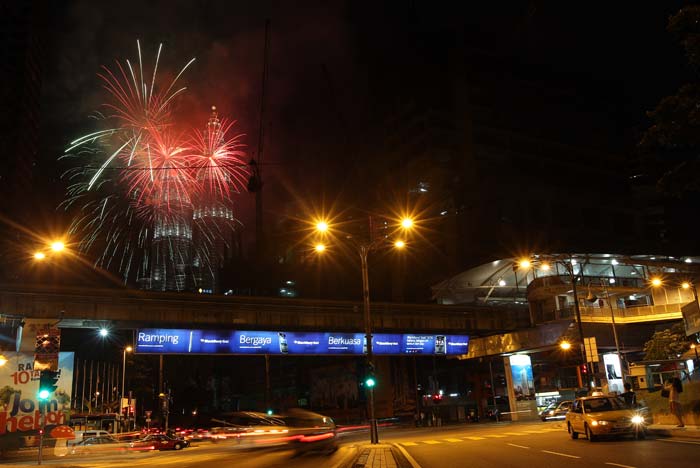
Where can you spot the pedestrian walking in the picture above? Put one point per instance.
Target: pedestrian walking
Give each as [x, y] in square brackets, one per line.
[629, 396]
[675, 388]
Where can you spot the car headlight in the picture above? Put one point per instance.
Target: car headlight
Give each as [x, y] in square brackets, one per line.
[637, 419]
[594, 422]
[551, 411]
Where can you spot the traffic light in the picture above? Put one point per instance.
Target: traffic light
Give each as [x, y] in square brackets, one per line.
[370, 380]
[48, 382]
[584, 369]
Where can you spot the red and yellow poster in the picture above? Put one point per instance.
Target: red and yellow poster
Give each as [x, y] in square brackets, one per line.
[20, 408]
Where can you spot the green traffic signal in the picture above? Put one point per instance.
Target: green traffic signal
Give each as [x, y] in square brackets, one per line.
[370, 382]
[48, 383]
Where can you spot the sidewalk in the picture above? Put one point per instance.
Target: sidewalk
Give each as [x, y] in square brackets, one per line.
[669, 430]
[375, 456]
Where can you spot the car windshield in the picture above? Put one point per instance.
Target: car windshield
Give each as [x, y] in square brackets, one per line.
[596, 405]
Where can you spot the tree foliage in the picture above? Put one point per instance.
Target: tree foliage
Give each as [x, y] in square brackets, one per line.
[675, 129]
[666, 344]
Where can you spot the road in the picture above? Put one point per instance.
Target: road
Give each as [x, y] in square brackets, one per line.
[203, 454]
[504, 445]
[518, 445]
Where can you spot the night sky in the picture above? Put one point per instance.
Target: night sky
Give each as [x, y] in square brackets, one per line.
[621, 58]
[614, 62]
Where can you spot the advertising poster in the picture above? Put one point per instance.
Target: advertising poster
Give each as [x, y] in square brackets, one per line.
[521, 387]
[180, 341]
[19, 406]
[523, 380]
[613, 373]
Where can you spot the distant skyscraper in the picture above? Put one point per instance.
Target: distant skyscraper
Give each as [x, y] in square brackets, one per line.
[213, 220]
[171, 251]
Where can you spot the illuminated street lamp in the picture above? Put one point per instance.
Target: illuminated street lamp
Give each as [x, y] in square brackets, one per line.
[127, 349]
[55, 247]
[565, 345]
[656, 282]
[3, 360]
[322, 226]
[363, 249]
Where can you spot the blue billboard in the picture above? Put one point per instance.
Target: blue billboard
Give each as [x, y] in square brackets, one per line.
[180, 341]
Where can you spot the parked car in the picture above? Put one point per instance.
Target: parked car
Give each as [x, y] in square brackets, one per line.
[100, 444]
[80, 435]
[556, 410]
[597, 416]
[161, 442]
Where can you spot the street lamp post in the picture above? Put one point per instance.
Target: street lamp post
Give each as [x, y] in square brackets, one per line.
[127, 349]
[363, 251]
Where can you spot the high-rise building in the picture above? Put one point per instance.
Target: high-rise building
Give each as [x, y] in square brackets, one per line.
[213, 217]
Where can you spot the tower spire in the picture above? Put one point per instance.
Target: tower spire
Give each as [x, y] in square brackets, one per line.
[214, 126]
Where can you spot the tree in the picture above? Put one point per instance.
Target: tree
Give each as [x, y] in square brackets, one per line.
[666, 344]
[675, 129]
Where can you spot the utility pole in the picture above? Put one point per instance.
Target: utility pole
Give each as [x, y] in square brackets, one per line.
[570, 267]
[255, 184]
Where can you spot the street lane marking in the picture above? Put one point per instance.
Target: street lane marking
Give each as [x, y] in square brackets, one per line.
[617, 464]
[560, 454]
[533, 432]
[411, 461]
[454, 440]
[431, 442]
[475, 438]
[679, 441]
[494, 435]
[409, 444]
[516, 445]
[514, 433]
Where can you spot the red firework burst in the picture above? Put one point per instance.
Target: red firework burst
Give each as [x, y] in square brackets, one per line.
[217, 161]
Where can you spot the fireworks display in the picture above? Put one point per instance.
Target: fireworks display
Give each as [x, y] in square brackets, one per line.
[150, 201]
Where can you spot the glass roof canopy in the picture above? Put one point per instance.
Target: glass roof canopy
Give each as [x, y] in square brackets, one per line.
[504, 281]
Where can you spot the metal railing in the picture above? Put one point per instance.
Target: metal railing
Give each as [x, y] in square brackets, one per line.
[626, 313]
